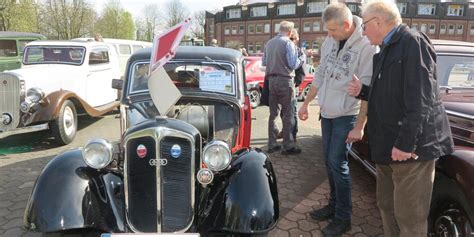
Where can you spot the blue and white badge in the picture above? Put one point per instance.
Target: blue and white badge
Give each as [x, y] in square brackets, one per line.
[175, 151]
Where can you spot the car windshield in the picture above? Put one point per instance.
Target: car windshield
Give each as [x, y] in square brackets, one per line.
[54, 55]
[206, 76]
[456, 71]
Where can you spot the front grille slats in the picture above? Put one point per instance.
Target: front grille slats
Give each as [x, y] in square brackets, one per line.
[10, 99]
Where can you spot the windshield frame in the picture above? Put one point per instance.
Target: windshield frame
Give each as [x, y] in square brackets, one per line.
[54, 46]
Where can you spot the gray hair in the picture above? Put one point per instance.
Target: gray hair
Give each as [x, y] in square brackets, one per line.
[387, 10]
[294, 34]
[338, 12]
[286, 26]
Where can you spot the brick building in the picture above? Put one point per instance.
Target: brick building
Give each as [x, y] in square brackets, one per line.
[252, 25]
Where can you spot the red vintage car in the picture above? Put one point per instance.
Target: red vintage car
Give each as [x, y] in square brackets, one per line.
[452, 206]
[255, 74]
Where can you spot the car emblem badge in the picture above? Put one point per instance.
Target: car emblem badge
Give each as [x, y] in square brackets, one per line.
[175, 151]
[141, 151]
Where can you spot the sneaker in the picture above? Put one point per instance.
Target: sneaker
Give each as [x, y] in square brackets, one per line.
[322, 214]
[337, 227]
[273, 149]
[293, 151]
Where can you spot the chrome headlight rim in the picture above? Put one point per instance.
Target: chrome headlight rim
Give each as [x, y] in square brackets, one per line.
[35, 94]
[105, 145]
[226, 148]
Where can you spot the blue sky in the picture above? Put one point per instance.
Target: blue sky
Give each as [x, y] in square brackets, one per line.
[136, 6]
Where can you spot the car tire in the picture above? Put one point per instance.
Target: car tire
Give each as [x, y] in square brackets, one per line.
[64, 128]
[254, 96]
[449, 208]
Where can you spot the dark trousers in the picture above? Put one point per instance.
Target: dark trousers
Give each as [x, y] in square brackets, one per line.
[281, 93]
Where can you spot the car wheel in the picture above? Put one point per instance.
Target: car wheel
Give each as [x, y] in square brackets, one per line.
[254, 96]
[65, 126]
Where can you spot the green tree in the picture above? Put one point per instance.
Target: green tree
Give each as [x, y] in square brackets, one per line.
[149, 23]
[115, 22]
[19, 16]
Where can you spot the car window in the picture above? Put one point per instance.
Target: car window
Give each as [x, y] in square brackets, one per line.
[22, 45]
[98, 56]
[125, 49]
[456, 71]
[136, 47]
[8, 48]
[45, 54]
[216, 77]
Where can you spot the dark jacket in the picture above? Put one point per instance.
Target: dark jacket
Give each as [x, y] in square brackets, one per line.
[405, 109]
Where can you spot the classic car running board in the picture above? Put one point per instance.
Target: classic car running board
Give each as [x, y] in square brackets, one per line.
[28, 129]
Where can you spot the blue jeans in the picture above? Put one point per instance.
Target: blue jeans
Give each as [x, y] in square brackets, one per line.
[337, 165]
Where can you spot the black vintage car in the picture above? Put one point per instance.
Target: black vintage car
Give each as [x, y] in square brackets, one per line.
[452, 206]
[190, 170]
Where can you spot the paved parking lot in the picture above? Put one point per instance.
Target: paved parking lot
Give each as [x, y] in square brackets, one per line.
[301, 179]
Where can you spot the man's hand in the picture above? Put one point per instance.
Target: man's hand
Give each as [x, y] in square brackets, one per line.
[354, 86]
[398, 155]
[354, 135]
[303, 113]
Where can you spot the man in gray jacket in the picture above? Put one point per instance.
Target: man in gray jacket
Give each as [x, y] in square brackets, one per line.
[345, 52]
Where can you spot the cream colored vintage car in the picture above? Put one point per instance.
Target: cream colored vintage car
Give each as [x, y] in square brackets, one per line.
[58, 80]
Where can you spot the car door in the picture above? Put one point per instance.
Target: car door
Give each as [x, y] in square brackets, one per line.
[9, 57]
[99, 77]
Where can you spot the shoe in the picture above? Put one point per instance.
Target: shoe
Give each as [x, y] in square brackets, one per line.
[293, 151]
[280, 135]
[337, 227]
[273, 149]
[322, 214]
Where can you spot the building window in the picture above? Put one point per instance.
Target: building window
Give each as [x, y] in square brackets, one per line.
[259, 28]
[353, 7]
[315, 47]
[226, 30]
[250, 47]
[286, 9]
[414, 26]
[233, 13]
[402, 7]
[442, 29]
[451, 29]
[234, 30]
[455, 10]
[251, 29]
[266, 28]
[241, 29]
[277, 27]
[315, 7]
[426, 9]
[432, 29]
[460, 29]
[423, 28]
[307, 27]
[258, 47]
[316, 26]
[472, 30]
[258, 11]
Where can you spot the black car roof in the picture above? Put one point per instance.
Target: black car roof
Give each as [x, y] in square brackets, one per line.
[11, 34]
[195, 52]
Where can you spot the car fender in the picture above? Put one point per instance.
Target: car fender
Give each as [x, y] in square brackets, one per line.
[51, 105]
[70, 195]
[244, 199]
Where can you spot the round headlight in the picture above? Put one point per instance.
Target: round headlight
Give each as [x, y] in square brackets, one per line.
[97, 153]
[35, 94]
[217, 155]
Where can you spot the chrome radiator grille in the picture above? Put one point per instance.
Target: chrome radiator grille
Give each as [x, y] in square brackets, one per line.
[159, 193]
[10, 99]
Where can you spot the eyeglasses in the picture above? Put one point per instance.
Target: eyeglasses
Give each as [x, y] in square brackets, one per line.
[365, 22]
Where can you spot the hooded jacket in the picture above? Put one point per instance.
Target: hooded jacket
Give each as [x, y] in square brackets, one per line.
[335, 71]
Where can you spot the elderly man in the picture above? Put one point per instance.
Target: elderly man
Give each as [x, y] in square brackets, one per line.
[344, 52]
[407, 125]
[281, 59]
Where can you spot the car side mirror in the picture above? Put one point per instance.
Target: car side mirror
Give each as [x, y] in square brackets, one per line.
[117, 84]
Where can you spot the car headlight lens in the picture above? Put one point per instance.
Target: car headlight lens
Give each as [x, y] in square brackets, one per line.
[217, 155]
[34, 94]
[97, 153]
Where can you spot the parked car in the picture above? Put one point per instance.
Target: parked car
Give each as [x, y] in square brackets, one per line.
[452, 209]
[190, 170]
[11, 48]
[58, 81]
[255, 75]
[124, 49]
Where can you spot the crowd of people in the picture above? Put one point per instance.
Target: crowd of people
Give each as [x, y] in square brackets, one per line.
[375, 72]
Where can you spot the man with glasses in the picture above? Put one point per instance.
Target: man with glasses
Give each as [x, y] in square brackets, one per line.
[345, 52]
[407, 125]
